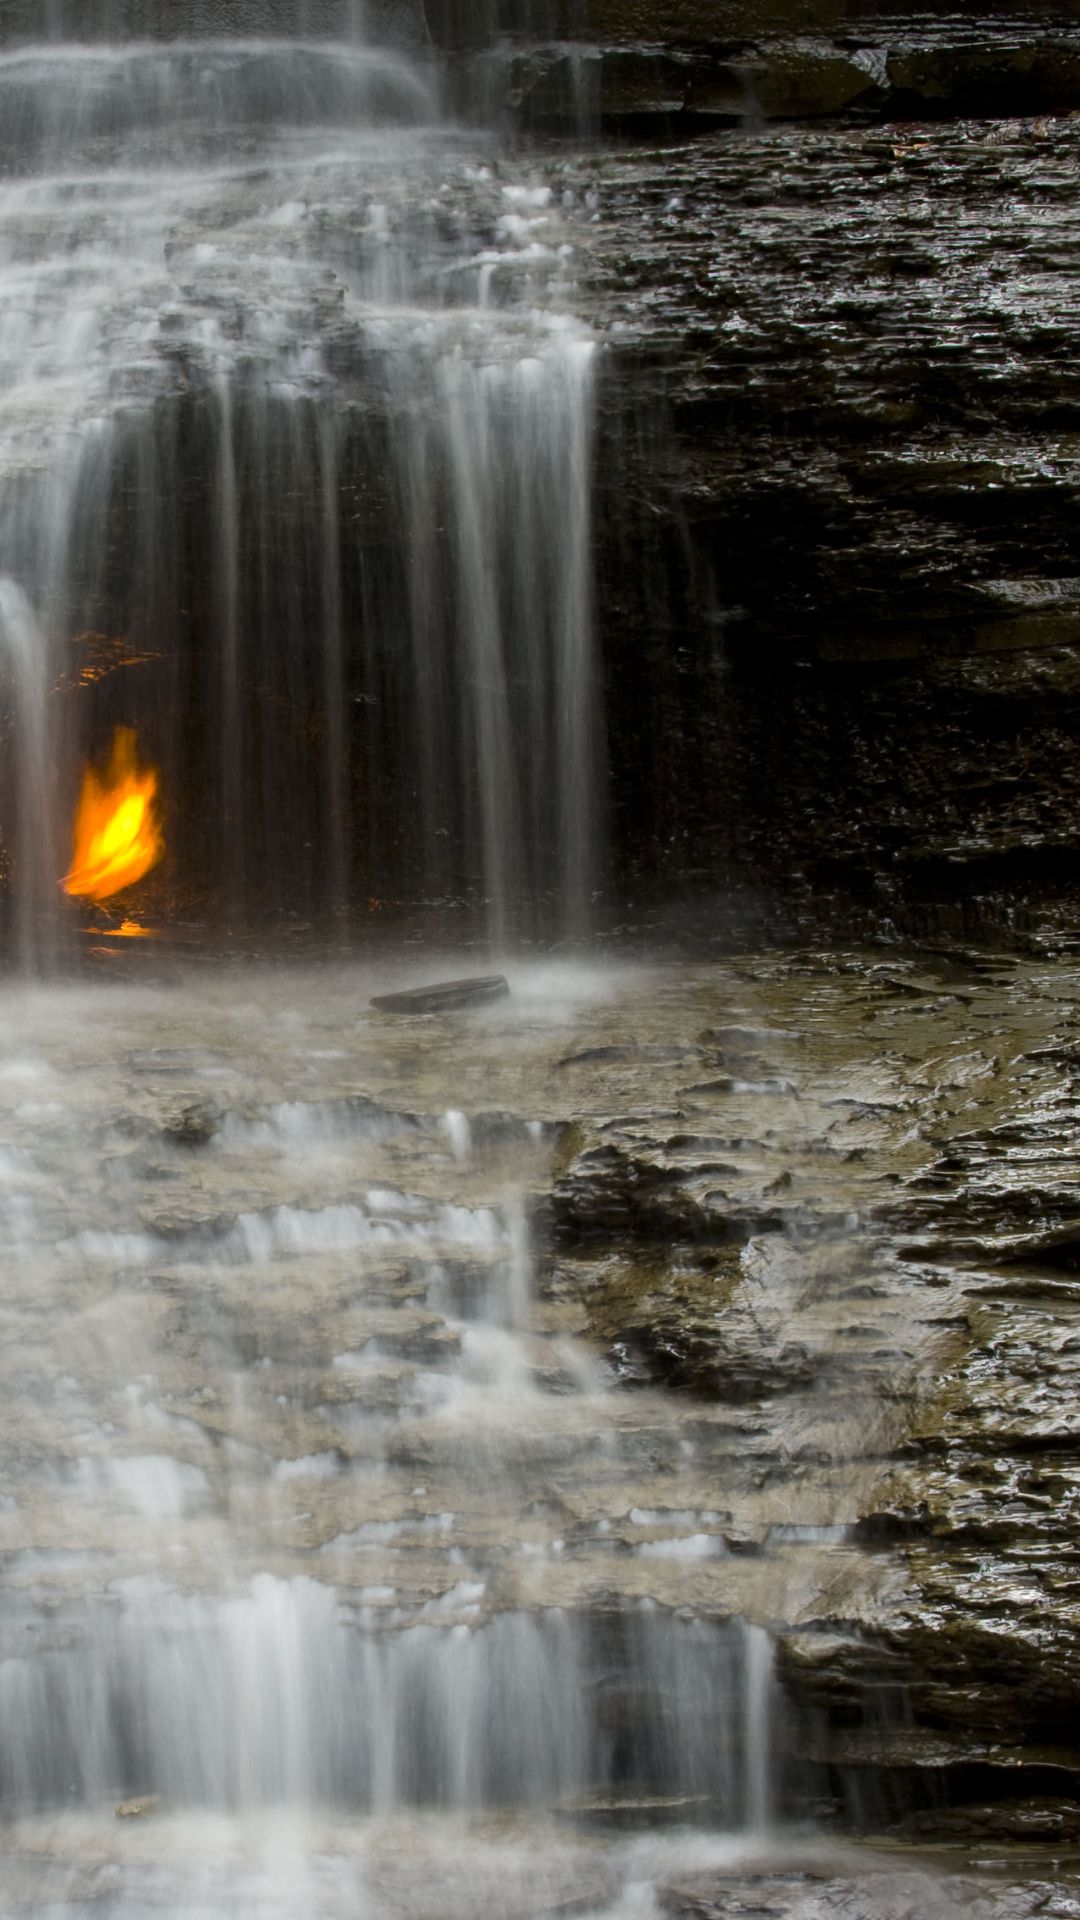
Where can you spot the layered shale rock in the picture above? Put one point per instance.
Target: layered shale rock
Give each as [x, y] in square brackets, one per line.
[698, 63]
[868, 1179]
[847, 601]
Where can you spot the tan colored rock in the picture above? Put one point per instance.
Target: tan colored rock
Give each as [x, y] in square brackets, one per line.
[142, 1809]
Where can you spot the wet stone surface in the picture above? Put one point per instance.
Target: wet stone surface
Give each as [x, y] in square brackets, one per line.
[860, 475]
[885, 1892]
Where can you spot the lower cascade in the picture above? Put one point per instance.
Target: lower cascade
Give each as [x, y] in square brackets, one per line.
[288, 1693]
[320, 1512]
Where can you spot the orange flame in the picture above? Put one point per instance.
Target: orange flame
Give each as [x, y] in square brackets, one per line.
[118, 835]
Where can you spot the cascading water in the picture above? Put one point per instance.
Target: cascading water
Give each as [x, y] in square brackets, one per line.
[312, 1510]
[306, 1517]
[295, 465]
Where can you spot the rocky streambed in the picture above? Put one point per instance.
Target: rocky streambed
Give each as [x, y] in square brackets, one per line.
[645, 1402]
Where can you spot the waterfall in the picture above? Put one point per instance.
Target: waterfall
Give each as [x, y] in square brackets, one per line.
[295, 477]
[760, 1715]
[281, 1694]
[25, 661]
[311, 1514]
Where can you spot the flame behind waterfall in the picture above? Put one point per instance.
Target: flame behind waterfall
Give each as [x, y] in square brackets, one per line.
[118, 835]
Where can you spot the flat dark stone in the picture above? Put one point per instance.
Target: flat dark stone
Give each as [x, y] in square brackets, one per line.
[170, 1059]
[445, 997]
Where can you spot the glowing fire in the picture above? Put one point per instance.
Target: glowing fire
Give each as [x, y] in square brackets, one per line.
[118, 835]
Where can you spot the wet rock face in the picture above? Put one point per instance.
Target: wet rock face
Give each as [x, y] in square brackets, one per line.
[867, 1171]
[681, 90]
[714, 22]
[694, 64]
[852, 505]
[852, 612]
[879, 1891]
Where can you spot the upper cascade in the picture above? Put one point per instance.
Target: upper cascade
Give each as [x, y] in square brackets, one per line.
[296, 424]
[159, 104]
[29, 21]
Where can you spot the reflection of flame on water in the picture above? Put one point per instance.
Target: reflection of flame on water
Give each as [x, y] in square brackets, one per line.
[127, 930]
[118, 834]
